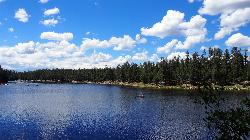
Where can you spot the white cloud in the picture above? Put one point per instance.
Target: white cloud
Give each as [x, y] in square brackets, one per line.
[233, 14]
[50, 22]
[238, 40]
[100, 57]
[190, 42]
[168, 26]
[37, 55]
[212, 7]
[182, 55]
[57, 36]
[25, 48]
[140, 39]
[21, 15]
[52, 11]
[11, 29]
[58, 54]
[124, 43]
[168, 47]
[43, 1]
[232, 22]
[141, 56]
[118, 43]
[60, 49]
[120, 60]
[154, 58]
[173, 24]
[94, 43]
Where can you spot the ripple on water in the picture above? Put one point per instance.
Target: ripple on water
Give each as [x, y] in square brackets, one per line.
[51, 111]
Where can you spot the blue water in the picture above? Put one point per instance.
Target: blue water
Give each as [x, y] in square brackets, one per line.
[66, 111]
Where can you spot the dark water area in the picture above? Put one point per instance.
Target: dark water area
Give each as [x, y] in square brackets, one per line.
[67, 111]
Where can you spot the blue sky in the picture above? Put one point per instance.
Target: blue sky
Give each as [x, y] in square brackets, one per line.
[96, 33]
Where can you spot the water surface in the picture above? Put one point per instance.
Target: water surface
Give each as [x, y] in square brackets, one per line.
[67, 111]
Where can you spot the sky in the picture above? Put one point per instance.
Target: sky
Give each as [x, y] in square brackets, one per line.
[38, 34]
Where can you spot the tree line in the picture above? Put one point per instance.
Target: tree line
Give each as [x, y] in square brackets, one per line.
[3, 75]
[214, 65]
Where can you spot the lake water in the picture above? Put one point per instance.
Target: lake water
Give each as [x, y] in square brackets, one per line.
[67, 111]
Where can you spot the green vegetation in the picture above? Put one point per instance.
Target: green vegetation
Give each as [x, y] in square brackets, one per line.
[3, 76]
[230, 69]
[230, 123]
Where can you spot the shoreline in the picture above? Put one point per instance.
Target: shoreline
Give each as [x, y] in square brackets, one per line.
[186, 87]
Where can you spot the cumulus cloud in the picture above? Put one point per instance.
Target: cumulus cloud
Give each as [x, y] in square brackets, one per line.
[168, 47]
[43, 1]
[212, 7]
[233, 14]
[182, 55]
[238, 40]
[168, 26]
[140, 39]
[232, 22]
[94, 43]
[25, 48]
[190, 42]
[118, 43]
[56, 36]
[120, 60]
[154, 58]
[35, 55]
[59, 54]
[100, 57]
[140, 56]
[124, 43]
[50, 22]
[173, 24]
[21, 15]
[52, 11]
[144, 57]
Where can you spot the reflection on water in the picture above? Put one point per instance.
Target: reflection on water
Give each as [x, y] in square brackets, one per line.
[51, 111]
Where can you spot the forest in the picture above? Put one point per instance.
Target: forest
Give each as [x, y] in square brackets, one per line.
[216, 66]
[4, 77]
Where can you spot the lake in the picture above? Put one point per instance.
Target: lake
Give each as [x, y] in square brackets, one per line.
[88, 111]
